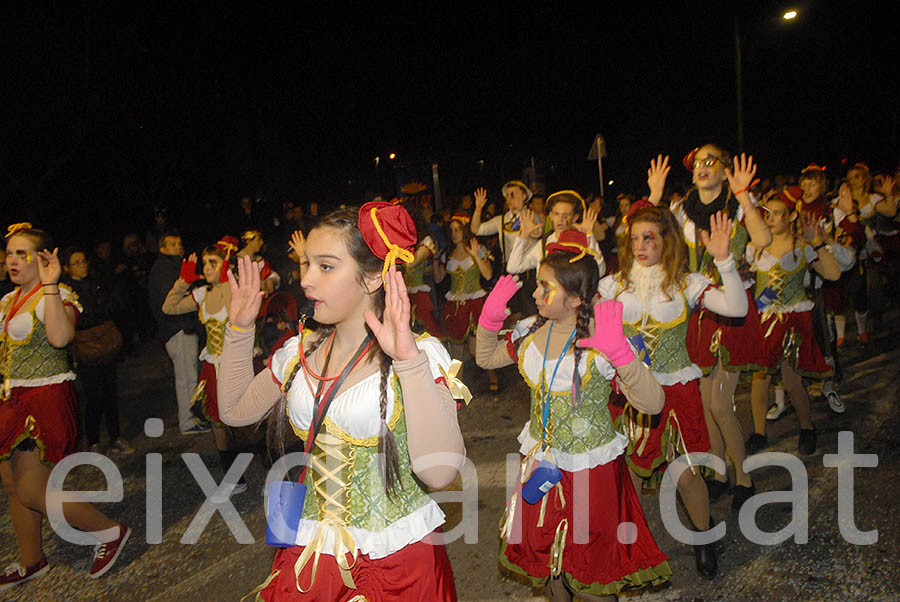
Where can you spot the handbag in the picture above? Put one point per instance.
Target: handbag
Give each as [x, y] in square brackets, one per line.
[286, 498]
[97, 345]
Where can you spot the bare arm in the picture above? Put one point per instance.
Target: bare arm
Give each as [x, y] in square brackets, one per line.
[59, 319]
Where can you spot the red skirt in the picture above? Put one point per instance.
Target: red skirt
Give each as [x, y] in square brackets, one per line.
[680, 423]
[45, 414]
[423, 312]
[795, 332]
[210, 401]
[606, 564]
[739, 345]
[419, 571]
[460, 318]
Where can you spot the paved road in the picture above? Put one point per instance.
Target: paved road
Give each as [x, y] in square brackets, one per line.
[219, 568]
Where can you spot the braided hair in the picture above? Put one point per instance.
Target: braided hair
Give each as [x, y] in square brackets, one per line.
[345, 220]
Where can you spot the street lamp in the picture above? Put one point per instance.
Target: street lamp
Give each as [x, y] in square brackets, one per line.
[738, 70]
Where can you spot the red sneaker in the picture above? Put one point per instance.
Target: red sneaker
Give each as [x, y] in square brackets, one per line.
[15, 574]
[106, 554]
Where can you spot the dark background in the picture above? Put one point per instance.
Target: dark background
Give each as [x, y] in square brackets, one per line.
[110, 110]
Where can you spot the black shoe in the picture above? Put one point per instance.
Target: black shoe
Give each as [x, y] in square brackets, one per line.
[755, 443]
[807, 444]
[716, 489]
[707, 566]
[741, 493]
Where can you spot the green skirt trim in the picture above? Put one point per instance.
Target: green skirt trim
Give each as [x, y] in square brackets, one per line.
[640, 579]
[40, 445]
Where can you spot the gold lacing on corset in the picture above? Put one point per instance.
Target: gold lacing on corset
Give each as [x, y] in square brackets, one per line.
[215, 337]
[777, 280]
[650, 329]
[331, 472]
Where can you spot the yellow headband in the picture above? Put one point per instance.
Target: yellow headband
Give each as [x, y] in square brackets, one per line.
[395, 252]
[571, 193]
[226, 246]
[18, 228]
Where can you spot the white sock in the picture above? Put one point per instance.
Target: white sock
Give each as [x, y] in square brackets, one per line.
[830, 321]
[779, 394]
[840, 325]
[828, 387]
[861, 322]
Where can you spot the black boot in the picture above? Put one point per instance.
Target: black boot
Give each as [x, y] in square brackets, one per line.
[705, 555]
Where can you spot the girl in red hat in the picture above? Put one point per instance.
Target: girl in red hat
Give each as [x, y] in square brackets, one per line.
[467, 263]
[368, 529]
[790, 346]
[37, 405]
[720, 346]
[211, 302]
[658, 295]
[569, 355]
[253, 245]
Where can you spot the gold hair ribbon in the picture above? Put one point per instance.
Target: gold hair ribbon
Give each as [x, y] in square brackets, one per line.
[559, 545]
[227, 247]
[394, 251]
[18, 228]
[463, 219]
[342, 541]
[583, 251]
[259, 588]
[458, 389]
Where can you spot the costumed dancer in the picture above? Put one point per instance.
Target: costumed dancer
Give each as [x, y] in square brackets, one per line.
[253, 245]
[566, 207]
[809, 200]
[467, 263]
[414, 278]
[211, 303]
[722, 347]
[786, 314]
[37, 405]
[658, 295]
[369, 530]
[571, 368]
[507, 225]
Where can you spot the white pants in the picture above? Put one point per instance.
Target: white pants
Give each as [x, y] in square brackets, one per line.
[183, 351]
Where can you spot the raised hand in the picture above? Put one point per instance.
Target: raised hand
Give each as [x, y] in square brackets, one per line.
[884, 184]
[718, 238]
[810, 229]
[586, 225]
[246, 296]
[656, 178]
[472, 247]
[48, 266]
[298, 244]
[188, 271]
[608, 337]
[845, 199]
[393, 332]
[493, 312]
[741, 174]
[480, 198]
[527, 225]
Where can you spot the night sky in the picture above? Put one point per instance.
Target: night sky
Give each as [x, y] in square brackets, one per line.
[110, 110]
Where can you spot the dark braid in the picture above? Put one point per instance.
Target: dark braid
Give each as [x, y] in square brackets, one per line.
[540, 321]
[277, 429]
[387, 444]
[582, 331]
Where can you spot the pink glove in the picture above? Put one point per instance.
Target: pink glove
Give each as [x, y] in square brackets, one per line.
[189, 271]
[493, 312]
[608, 337]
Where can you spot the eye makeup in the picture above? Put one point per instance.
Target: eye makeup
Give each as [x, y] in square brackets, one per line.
[549, 293]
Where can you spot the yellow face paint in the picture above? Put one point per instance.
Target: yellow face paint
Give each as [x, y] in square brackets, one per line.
[549, 292]
[27, 256]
